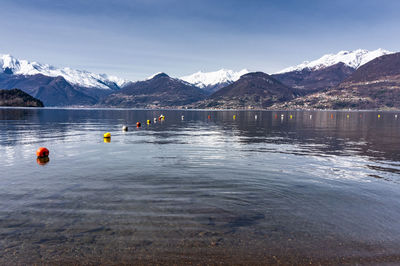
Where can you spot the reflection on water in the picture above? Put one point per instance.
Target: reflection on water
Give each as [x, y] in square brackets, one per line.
[227, 186]
[43, 160]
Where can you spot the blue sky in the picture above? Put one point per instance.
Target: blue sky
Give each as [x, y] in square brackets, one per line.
[134, 39]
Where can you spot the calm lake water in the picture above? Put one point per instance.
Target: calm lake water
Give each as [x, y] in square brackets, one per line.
[287, 187]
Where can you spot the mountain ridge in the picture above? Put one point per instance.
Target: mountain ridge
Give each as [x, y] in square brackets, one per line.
[255, 90]
[354, 59]
[82, 78]
[375, 85]
[18, 98]
[158, 91]
[310, 81]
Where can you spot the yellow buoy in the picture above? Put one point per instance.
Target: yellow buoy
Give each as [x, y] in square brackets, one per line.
[291, 116]
[234, 116]
[148, 121]
[107, 135]
[107, 140]
[348, 116]
[379, 116]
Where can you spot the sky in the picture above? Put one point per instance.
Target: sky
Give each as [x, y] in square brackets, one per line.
[133, 39]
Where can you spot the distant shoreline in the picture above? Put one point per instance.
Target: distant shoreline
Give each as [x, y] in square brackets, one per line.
[213, 110]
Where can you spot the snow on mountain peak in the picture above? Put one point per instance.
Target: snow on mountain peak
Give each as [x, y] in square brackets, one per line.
[154, 75]
[205, 79]
[73, 76]
[354, 59]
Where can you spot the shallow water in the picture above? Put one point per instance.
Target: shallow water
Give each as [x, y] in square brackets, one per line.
[287, 187]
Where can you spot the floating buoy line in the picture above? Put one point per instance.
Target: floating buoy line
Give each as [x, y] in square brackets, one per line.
[42, 153]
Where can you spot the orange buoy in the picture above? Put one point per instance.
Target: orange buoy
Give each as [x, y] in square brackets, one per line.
[42, 152]
[209, 116]
[138, 124]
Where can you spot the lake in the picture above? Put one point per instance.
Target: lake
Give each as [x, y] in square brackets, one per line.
[301, 187]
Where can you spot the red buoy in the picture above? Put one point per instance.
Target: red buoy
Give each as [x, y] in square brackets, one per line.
[138, 124]
[42, 152]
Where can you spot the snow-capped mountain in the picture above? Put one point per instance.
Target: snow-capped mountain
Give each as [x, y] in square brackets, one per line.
[152, 76]
[353, 59]
[159, 91]
[11, 65]
[212, 81]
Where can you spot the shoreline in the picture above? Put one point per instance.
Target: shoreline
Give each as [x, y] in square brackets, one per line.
[182, 109]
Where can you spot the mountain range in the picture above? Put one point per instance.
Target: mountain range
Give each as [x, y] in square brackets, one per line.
[353, 59]
[307, 85]
[158, 91]
[11, 65]
[56, 86]
[252, 90]
[328, 71]
[375, 85]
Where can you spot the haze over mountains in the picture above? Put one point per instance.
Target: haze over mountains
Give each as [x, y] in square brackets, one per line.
[290, 88]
